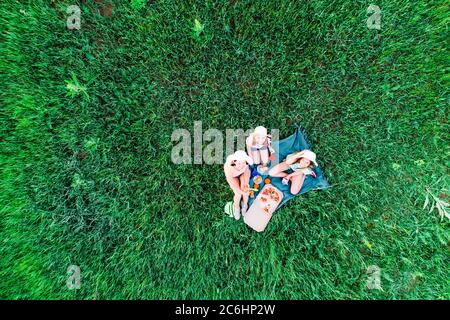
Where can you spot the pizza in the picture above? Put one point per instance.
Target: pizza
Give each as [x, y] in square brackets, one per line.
[272, 194]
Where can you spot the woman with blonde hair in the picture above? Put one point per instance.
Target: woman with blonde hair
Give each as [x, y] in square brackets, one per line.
[237, 173]
[294, 169]
[259, 147]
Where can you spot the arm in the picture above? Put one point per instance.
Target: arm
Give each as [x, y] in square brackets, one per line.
[269, 144]
[248, 143]
[293, 158]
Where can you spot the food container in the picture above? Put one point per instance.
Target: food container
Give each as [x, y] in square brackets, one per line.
[257, 179]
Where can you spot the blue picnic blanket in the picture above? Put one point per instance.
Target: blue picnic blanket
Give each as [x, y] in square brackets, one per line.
[294, 143]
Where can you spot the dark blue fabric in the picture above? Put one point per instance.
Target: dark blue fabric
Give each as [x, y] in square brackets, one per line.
[294, 143]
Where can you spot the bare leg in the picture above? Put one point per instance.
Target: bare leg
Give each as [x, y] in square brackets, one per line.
[297, 182]
[255, 156]
[237, 201]
[264, 157]
[278, 170]
[244, 180]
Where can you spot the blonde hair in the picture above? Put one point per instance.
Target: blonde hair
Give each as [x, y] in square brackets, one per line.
[267, 140]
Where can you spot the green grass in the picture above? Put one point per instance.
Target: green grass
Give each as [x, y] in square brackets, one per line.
[87, 178]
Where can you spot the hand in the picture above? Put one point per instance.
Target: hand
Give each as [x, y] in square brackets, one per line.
[300, 154]
[246, 189]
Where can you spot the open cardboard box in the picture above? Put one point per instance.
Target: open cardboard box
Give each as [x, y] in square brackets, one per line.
[260, 212]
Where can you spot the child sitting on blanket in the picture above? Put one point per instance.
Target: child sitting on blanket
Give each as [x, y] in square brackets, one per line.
[237, 172]
[294, 168]
[258, 147]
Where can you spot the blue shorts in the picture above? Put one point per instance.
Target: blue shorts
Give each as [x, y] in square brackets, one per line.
[289, 171]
